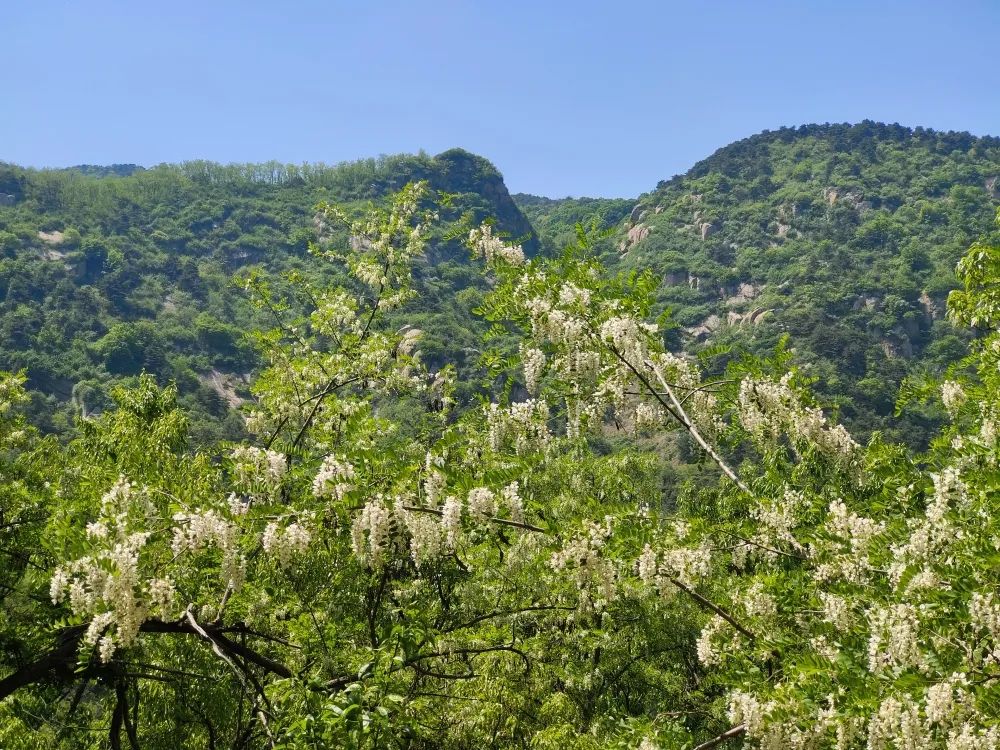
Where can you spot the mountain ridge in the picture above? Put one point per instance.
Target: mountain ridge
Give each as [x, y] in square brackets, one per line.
[844, 236]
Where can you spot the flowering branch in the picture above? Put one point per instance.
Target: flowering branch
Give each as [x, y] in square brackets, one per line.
[492, 519]
[708, 604]
[690, 427]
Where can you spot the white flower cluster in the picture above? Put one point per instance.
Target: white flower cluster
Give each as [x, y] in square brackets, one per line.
[810, 732]
[848, 556]
[11, 391]
[984, 610]
[757, 602]
[430, 532]
[282, 543]
[894, 640]
[486, 245]
[570, 295]
[767, 409]
[969, 737]
[836, 610]
[427, 537]
[334, 313]
[523, 424]
[578, 366]
[555, 326]
[777, 519]
[946, 699]
[931, 535]
[952, 396]
[333, 478]
[451, 522]
[202, 529]
[704, 645]
[896, 725]
[107, 586]
[433, 485]
[629, 337]
[258, 469]
[533, 362]
[595, 575]
[649, 416]
[515, 503]
[371, 532]
[686, 564]
[482, 503]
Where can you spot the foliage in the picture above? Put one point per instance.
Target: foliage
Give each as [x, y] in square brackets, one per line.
[106, 273]
[496, 577]
[844, 236]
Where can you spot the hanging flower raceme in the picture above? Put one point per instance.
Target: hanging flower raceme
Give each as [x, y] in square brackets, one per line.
[487, 245]
[334, 478]
[109, 586]
[768, 409]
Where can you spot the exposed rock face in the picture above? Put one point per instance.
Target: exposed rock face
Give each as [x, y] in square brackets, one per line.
[658, 210]
[853, 198]
[226, 386]
[693, 281]
[864, 302]
[6, 199]
[744, 292]
[53, 238]
[752, 318]
[636, 216]
[897, 345]
[992, 187]
[635, 235]
[707, 229]
[932, 310]
[707, 327]
[783, 229]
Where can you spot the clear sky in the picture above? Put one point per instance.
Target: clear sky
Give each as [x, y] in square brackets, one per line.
[566, 98]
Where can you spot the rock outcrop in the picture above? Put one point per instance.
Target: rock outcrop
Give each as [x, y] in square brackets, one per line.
[635, 235]
[707, 327]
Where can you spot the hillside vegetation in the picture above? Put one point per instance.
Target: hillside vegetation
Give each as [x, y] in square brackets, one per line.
[106, 272]
[844, 237]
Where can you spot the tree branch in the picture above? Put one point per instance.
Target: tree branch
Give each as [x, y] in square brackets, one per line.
[727, 735]
[693, 431]
[708, 604]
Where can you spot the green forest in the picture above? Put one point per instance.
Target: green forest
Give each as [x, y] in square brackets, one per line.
[378, 455]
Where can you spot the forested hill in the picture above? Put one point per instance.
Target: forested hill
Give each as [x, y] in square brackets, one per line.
[109, 271]
[843, 236]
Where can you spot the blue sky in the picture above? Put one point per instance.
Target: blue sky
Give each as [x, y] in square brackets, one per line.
[566, 98]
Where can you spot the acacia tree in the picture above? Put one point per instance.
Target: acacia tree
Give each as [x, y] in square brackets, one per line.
[495, 578]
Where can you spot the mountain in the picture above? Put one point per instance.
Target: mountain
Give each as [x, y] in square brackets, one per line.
[109, 271]
[845, 237]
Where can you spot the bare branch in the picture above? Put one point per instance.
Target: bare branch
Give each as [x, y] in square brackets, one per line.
[708, 604]
[737, 731]
[689, 425]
